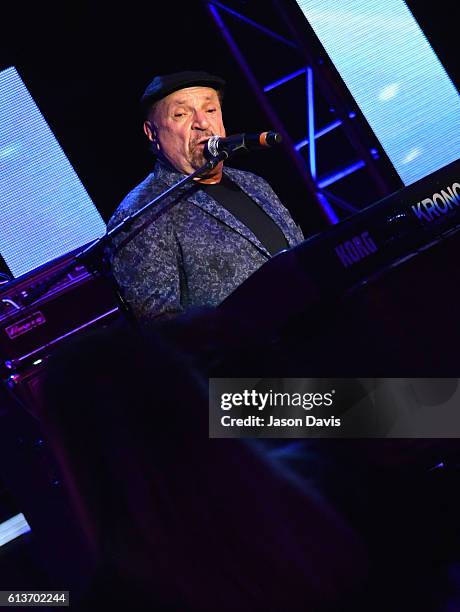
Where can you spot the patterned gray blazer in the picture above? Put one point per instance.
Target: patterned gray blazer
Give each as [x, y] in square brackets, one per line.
[189, 251]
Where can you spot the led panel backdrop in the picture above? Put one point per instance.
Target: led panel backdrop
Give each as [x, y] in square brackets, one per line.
[395, 77]
[45, 211]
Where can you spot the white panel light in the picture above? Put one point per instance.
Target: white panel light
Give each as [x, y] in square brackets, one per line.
[396, 79]
[45, 211]
[13, 528]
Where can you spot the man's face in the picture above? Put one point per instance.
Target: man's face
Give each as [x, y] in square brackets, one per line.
[180, 123]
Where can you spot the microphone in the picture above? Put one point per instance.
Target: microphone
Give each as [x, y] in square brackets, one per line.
[224, 147]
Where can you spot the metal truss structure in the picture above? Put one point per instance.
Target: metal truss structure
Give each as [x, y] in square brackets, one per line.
[331, 149]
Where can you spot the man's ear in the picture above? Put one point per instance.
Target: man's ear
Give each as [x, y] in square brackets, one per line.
[149, 131]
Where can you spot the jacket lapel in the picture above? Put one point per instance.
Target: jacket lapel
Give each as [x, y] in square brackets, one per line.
[206, 203]
[269, 204]
[199, 198]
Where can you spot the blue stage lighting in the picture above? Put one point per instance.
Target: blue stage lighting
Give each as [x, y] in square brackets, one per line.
[45, 210]
[13, 528]
[396, 79]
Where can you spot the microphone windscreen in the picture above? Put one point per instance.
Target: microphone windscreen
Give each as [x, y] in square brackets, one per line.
[269, 139]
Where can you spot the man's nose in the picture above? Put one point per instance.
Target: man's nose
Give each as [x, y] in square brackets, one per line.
[200, 120]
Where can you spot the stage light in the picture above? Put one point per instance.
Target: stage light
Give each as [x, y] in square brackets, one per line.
[45, 211]
[396, 79]
[13, 528]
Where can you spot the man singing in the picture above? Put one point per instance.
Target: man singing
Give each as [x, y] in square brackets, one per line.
[212, 235]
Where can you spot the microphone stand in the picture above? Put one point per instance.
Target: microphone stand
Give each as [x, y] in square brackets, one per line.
[90, 256]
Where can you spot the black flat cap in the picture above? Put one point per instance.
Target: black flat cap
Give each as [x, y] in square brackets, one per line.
[162, 86]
